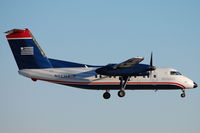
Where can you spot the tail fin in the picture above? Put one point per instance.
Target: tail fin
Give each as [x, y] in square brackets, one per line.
[26, 50]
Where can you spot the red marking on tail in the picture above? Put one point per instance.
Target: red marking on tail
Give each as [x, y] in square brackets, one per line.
[18, 33]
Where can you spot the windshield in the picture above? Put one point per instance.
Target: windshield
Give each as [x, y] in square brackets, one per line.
[175, 73]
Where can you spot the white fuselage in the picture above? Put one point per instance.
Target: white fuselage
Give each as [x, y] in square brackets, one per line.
[87, 78]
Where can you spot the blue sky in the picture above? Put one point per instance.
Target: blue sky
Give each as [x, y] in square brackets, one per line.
[101, 32]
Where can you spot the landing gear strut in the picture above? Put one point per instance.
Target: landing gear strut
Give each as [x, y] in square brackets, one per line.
[121, 92]
[106, 95]
[123, 83]
[183, 94]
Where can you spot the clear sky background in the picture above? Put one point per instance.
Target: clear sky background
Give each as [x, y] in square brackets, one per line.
[98, 33]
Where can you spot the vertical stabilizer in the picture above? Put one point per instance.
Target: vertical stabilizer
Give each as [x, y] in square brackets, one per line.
[27, 52]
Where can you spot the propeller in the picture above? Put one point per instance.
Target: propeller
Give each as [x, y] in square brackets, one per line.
[151, 60]
[151, 68]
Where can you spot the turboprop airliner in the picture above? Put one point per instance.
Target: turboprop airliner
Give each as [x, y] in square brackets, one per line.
[128, 75]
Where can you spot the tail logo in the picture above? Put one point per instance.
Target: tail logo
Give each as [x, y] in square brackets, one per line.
[27, 51]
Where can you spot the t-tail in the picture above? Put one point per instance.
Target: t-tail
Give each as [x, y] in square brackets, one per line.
[26, 50]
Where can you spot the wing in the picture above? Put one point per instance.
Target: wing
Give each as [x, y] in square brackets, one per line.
[129, 63]
[125, 68]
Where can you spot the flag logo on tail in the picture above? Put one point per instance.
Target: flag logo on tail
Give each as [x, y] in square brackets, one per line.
[27, 51]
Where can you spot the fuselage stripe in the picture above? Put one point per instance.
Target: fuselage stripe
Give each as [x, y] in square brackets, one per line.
[114, 83]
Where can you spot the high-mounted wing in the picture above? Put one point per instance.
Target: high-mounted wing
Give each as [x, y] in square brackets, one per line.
[129, 63]
[127, 68]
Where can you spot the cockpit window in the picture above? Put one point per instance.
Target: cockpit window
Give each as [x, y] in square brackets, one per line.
[175, 73]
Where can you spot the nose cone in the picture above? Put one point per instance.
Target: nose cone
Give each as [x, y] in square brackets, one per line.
[195, 85]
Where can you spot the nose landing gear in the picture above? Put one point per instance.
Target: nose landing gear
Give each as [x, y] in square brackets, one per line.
[183, 93]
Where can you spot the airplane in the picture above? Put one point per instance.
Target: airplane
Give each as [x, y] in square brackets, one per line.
[128, 75]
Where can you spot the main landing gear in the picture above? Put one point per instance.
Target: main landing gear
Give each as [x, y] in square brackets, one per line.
[106, 95]
[123, 83]
[183, 93]
[121, 92]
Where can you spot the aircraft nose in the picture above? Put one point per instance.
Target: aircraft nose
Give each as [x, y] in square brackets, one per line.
[195, 85]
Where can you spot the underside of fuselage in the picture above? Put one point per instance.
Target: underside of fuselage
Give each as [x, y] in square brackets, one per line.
[128, 87]
[150, 86]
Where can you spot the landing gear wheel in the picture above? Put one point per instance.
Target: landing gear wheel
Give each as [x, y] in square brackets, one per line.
[182, 95]
[121, 93]
[106, 95]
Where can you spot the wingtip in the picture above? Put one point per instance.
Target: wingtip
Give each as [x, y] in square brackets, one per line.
[138, 57]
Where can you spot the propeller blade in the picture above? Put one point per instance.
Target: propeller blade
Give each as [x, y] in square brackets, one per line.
[151, 63]
[151, 60]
